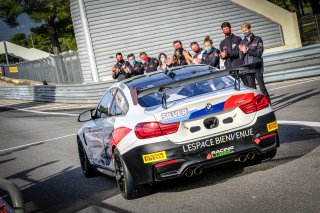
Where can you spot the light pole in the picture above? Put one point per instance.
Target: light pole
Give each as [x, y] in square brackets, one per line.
[31, 39]
[6, 52]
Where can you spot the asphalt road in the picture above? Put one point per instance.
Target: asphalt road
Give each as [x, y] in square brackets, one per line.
[38, 152]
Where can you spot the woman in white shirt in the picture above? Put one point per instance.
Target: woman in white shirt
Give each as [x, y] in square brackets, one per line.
[162, 62]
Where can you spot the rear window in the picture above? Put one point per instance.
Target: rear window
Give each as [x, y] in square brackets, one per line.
[187, 91]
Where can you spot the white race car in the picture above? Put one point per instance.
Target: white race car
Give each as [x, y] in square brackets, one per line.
[168, 124]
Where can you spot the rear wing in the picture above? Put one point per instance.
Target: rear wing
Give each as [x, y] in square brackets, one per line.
[236, 72]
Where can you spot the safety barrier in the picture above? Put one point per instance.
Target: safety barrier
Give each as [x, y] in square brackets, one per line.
[279, 66]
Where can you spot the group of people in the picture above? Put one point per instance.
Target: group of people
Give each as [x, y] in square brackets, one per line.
[234, 50]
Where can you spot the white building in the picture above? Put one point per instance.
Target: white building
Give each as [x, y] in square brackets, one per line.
[105, 27]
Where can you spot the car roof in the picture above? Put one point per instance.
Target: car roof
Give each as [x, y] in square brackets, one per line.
[156, 79]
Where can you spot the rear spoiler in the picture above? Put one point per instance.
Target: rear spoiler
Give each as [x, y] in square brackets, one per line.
[235, 72]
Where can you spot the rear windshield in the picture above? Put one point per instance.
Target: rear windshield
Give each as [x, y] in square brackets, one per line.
[187, 91]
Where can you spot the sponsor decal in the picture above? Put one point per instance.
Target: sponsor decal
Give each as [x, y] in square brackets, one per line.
[272, 126]
[254, 44]
[153, 157]
[231, 103]
[239, 102]
[209, 142]
[175, 114]
[220, 152]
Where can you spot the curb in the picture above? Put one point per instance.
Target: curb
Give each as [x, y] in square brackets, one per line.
[20, 81]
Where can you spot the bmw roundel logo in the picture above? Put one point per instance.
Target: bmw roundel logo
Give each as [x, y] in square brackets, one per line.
[209, 106]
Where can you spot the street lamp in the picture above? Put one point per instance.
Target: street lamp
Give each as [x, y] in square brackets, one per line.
[31, 39]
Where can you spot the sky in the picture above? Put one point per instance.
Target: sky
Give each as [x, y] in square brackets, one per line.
[24, 27]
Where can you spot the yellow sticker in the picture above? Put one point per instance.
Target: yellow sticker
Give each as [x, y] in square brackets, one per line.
[157, 156]
[272, 126]
[13, 69]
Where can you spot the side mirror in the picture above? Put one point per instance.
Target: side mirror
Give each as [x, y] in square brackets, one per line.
[86, 115]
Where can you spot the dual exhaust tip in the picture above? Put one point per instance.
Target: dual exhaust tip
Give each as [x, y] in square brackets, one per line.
[198, 170]
[244, 158]
[193, 171]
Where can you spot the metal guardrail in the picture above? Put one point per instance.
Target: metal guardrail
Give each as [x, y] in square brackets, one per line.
[15, 194]
[278, 66]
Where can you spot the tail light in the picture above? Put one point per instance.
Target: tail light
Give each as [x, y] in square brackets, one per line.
[258, 140]
[258, 103]
[155, 129]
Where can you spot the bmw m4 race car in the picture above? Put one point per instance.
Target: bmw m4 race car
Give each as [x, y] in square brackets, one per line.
[169, 124]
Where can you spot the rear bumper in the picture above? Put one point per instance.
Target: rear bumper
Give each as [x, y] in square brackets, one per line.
[166, 160]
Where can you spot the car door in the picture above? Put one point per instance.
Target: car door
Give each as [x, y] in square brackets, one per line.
[99, 134]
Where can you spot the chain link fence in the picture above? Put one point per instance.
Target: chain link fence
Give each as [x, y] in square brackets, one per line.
[57, 69]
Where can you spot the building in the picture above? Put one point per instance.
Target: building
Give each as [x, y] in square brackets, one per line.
[105, 27]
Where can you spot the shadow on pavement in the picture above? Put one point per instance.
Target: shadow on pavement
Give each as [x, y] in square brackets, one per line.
[285, 101]
[24, 105]
[293, 145]
[69, 190]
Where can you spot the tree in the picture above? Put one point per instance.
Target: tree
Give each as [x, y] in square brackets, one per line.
[297, 5]
[315, 6]
[51, 12]
[20, 39]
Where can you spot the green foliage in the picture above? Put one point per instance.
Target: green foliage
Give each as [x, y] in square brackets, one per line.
[294, 5]
[68, 43]
[10, 10]
[11, 59]
[285, 4]
[19, 39]
[41, 42]
[55, 14]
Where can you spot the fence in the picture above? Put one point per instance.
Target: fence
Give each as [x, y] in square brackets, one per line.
[58, 69]
[279, 66]
[310, 26]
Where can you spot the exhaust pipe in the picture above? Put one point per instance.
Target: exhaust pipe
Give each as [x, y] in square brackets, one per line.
[251, 155]
[197, 171]
[242, 158]
[189, 173]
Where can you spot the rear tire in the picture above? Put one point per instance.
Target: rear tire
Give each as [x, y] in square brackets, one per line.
[129, 190]
[87, 169]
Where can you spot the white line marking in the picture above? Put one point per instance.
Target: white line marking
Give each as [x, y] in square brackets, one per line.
[305, 123]
[35, 143]
[293, 84]
[294, 80]
[40, 112]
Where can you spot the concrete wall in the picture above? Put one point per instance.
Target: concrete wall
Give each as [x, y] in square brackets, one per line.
[287, 20]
